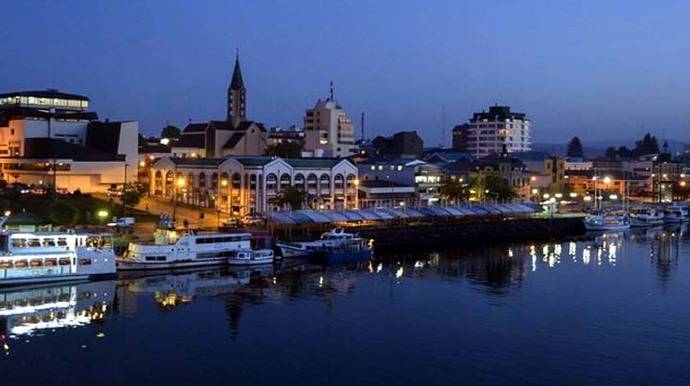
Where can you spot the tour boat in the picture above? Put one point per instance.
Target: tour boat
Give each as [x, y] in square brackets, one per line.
[676, 213]
[181, 249]
[606, 222]
[41, 257]
[643, 216]
[251, 257]
[332, 238]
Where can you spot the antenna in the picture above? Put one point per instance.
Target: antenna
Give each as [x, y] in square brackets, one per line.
[332, 91]
[443, 126]
[362, 126]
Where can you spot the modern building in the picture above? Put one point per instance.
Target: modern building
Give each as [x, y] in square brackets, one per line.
[328, 131]
[404, 144]
[386, 194]
[278, 135]
[424, 177]
[49, 138]
[247, 185]
[235, 136]
[487, 132]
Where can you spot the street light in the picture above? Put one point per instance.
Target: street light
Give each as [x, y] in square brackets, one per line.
[102, 214]
[7, 213]
[607, 180]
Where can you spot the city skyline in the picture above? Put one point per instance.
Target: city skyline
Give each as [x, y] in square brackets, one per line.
[607, 70]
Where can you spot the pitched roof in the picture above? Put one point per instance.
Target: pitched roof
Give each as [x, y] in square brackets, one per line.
[319, 163]
[179, 161]
[233, 140]
[254, 161]
[220, 125]
[195, 128]
[237, 82]
[244, 125]
[191, 140]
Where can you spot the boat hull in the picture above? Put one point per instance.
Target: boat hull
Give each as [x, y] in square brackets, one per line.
[237, 263]
[131, 265]
[337, 257]
[16, 281]
[288, 251]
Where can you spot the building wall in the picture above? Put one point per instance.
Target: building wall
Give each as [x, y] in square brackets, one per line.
[328, 128]
[89, 177]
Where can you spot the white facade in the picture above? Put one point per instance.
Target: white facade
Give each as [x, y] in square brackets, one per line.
[245, 185]
[328, 131]
[488, 132]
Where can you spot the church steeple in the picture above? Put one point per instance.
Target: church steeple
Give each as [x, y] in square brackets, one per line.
[237, 96]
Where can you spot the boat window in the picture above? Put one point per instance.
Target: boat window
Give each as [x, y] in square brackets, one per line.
[36, 263]
[155, 258]
[6, 265]
[21, 264]
[51, 262]
[84, 261]
[49, 242]
[64, 261]
[18, 243]
[34, 243]
[62, 241]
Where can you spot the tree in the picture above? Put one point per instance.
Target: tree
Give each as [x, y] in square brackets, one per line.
[454, 190]
[648, 145]
[289, 197]
[285, 150]
[624, 152]
[575, 148]
[142, 140]
[611, 152]
[170, 131]
[498, 188]
[131, 195]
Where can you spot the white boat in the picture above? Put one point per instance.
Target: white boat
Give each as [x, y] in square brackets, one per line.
[181, 249]
[676, 213]
[606, 222]
[41, 257]
[332, 238]
[251, 257]
[644, 216]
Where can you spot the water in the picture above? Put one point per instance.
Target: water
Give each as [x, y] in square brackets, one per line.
[604, 311]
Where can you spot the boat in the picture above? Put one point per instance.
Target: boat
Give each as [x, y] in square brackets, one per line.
[251, 257]
[332, 238]
[183, 249]
[644, 216]
[43, 257]
[676, 213]
[352, 250]
[606, 222]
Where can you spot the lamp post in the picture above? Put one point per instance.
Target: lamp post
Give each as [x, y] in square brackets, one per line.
[179, 184]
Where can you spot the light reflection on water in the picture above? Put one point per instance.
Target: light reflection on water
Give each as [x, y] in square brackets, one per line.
[613, 307]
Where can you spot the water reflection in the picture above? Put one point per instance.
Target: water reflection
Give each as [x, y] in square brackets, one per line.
[495, 272]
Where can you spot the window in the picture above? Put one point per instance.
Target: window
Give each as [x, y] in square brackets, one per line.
[64, 261]
[51, 263]
[34, 243]
[62, 242]
[18, 243]
[36, 263]
[84, 261]
[21, 264]
[6, 265]
[48, 242]
[155, 258]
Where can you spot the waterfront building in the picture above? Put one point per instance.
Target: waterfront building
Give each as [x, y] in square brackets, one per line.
[386, 194]
[487, 132]
[328, 131]
[235, 136]
[510, 168]
[404, 144]
[49, 138]
[247, 185]
[424, 177]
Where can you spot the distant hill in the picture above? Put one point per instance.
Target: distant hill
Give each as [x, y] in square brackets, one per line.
[598, 148]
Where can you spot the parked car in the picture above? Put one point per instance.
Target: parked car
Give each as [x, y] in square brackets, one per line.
[122, 222]
[252, 220]
[232, 223]
[114, 192]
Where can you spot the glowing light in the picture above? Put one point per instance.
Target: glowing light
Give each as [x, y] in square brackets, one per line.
[535, 191]
[7, 213]
[224, 182]
[165, 141]
[399, 272]
[142, 163]
[607, 180]
[613, 197]
[587, 198]
[181, 182]
[102, 213]
[558, 195]
[573, 195]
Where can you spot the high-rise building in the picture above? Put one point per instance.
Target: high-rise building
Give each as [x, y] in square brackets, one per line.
[328, 131]
[488, 132]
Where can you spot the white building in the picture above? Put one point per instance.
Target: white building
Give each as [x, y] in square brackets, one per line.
[244, 185]
[487, 132]
[328, 131]
[49, 137]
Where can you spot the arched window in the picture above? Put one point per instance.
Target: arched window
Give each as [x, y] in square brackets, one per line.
[339, 183]
[202, 181]
[284, 181]
[158, 183]
[325, 184]
[224, 182]
[271, 183]
[299, 181]
[312, 181]
[214, 181]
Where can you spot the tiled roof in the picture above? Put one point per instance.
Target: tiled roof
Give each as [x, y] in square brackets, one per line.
[191, 141]
[195, 128]
[319, 163]
[233, 140]
[197, 161]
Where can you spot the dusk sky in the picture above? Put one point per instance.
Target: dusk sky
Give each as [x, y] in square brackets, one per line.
[604, 70]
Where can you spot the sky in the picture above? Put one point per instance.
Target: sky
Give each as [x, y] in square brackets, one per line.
[602, 70]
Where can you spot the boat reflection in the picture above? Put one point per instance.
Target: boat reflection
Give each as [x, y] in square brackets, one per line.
[38, 310]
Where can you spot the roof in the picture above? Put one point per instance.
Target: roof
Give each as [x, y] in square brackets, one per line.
[45, 148]
[237, 82]
[196, 161]
[48, 93]
[19, 112]
[191, 141]
[319, 163]
[244, 125]
[233, 140]
[497, 113]
[195, 128]
[254, 161]
[157, 148]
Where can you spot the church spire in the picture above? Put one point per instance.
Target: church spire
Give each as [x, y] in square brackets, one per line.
[237, 95]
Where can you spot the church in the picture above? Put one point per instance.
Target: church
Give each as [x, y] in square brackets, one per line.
[235, 136]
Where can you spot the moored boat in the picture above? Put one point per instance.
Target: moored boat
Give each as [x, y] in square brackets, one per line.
[42, 257]
[332, 238]
[606, 222]
[676, 213]
[354, 250]
[182, 249]
[644, 216]
[251, 257]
